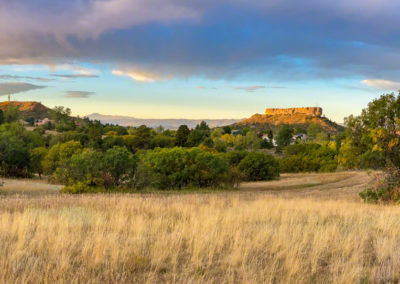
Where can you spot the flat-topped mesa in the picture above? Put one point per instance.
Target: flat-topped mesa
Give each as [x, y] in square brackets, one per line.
[314, 111]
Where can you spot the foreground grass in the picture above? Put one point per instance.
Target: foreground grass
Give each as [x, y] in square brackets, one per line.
[196, 238]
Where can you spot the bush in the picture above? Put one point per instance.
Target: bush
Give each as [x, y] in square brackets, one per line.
[76, 188]
[385, 189]
[308, 157]
[291, 164]
[259, 166]
[372, 160]
[235, 157]
[114, 168]
[180, 167]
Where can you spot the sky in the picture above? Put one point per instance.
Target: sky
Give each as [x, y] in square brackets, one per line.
[199, 58]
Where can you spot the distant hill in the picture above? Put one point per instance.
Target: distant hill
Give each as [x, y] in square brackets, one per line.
[299, 117]
[28, 109]
[166, 123]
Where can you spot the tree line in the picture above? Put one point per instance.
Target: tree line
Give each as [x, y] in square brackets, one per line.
[87, 155]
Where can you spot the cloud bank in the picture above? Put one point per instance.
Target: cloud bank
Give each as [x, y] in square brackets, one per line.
[149, 40]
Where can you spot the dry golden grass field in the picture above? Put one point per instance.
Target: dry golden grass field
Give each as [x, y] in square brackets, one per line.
[305, 228]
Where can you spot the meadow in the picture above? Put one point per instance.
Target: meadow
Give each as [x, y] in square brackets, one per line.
[284, 235]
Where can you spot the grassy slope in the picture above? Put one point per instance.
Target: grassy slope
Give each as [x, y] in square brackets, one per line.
[28, 109]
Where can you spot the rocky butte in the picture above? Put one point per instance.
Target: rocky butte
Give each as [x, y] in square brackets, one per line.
[314, 111]
[301, 117]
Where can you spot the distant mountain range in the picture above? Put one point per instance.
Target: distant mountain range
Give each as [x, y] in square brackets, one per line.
[166, 123]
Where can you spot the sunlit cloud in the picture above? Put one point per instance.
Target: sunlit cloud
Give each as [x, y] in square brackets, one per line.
[138, 76]
[78, 94]
[382, 84]
[10, 88]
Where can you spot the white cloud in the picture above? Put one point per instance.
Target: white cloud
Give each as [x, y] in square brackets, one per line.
[138, 76]
[382, 84]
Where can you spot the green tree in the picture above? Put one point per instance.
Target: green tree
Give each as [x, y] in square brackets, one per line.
[119, 164]
[252, 141]
[284, 136]
[14, 156]
[179, 167]
[182, 136]
[85, 169]
[377, 128]
[162, 141]
[313, 130]
[11, 114]
[199, 134]
[142, 137]
[60, 114]
[258, 166]
[37, 156]
[1, 117]
[58, 154]
[227, 130]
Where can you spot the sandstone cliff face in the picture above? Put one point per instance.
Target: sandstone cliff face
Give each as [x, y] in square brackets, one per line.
[315, 111]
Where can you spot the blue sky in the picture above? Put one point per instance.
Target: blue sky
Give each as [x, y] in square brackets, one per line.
[199, 59]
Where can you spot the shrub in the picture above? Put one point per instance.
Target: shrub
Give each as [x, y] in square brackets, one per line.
[119, 164]
[291, 164]
[179, 167]
[385, 189]
[308, 157]
[372, 160]
[259, 166]
[114, 168]
[76, 188]
[235, 157]
[86, 167]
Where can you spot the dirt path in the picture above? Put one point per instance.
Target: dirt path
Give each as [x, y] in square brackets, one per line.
[327, 186]
[28, 186]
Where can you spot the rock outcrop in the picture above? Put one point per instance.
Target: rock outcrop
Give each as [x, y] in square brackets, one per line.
[315, 111]
[298, 117]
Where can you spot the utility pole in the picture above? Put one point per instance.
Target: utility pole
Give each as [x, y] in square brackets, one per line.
[9, 97]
